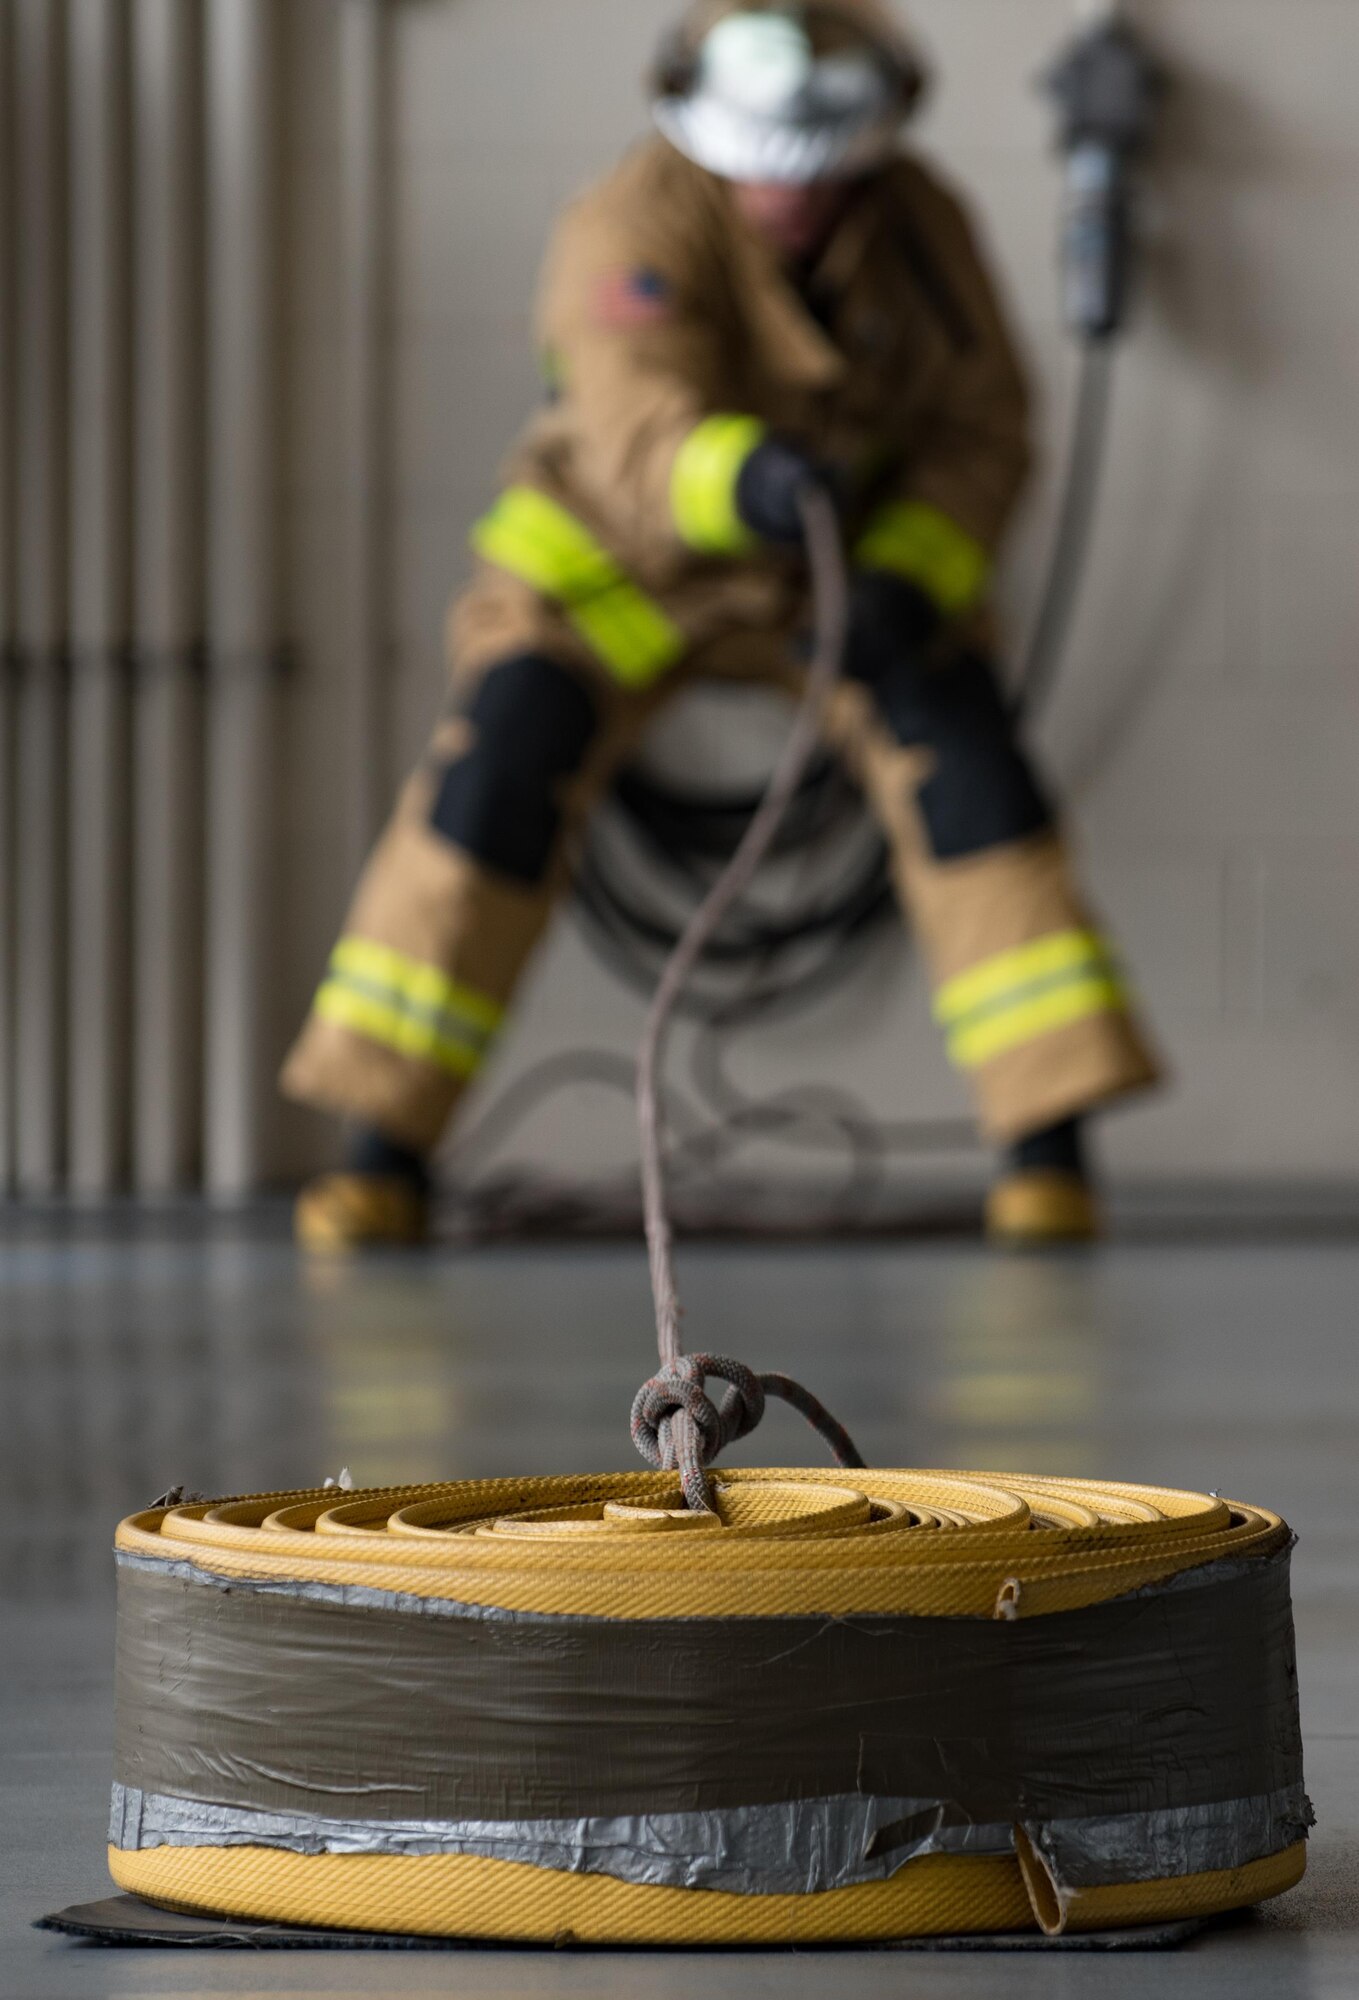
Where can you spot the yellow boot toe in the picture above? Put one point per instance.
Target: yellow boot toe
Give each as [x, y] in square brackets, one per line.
[1038, 1206]
[342, 1212]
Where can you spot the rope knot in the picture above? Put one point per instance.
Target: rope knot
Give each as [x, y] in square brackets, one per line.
[677, 1426]
[679, 1389]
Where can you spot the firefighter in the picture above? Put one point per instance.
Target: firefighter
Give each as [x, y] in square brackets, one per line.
[768, 293]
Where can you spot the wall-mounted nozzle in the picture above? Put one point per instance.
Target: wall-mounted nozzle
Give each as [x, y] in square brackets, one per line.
[1107, 87]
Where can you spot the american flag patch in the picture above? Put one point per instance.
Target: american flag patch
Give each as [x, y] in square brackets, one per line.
[632, 296]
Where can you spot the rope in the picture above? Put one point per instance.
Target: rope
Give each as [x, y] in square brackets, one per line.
[675, 1424]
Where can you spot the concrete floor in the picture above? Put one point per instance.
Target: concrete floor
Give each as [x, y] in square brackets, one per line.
[226, 1365]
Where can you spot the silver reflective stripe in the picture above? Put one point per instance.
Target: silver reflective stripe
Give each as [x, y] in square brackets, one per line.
[794, 1849]
[801, 1848]
[1185, 1840]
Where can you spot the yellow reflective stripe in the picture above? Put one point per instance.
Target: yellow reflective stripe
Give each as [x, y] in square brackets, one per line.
[540, 542]
[1026, 992]
[1072, 1000]
[534, 538]
[921, 543]
[703, 484]
[1011, 972]
[630, 633]
[405, 1034]
[418, 983]
[408, 1006]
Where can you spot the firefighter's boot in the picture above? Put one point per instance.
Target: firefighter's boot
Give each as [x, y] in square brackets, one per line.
[380, 1196]
[1044, 1197]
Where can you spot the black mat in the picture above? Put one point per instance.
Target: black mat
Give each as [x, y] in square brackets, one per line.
[127, 1920]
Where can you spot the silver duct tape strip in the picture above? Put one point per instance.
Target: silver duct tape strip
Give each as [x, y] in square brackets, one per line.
[788, 1849]
[1158, 1846]
[800, 1848]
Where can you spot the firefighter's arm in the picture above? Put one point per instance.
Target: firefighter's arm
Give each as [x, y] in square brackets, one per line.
[631, 330]
[940, 528]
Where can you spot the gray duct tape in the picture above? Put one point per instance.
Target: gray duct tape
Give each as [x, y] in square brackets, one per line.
[792, 1849]
[797, 1848]
[1157, 1734]
[1153, 1847]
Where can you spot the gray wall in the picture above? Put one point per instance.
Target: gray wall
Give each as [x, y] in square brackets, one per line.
[1204, 735]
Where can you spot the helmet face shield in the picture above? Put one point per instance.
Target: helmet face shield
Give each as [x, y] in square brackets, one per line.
[765, 104]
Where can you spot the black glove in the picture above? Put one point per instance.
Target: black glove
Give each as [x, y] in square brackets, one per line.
[770, 485]
[891, 622]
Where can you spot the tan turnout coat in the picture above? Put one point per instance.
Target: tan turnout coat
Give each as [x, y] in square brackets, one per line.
[660, 310]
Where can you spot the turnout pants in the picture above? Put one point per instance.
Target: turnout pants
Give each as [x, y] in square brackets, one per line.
[1028, 992]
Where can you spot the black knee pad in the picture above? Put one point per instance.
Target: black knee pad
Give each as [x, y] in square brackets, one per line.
[983, 791]
[534, 722]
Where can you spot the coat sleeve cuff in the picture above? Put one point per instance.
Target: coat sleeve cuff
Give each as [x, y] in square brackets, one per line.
[912, 539]
[703, 484]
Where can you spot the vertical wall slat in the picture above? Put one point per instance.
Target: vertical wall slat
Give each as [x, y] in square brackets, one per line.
[168, 593]
[363, 167]
[243, 593]
[8, 607]
[100, 580]
[41, 593]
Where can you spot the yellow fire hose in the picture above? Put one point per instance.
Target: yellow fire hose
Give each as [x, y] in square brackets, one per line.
[986, 1553]
[682, 1707]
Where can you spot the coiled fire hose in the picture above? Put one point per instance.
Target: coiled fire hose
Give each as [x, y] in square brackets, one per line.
[685, 1707]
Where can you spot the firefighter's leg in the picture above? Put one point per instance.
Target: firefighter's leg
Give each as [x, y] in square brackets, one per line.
[452, 902]
[1028, 990]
